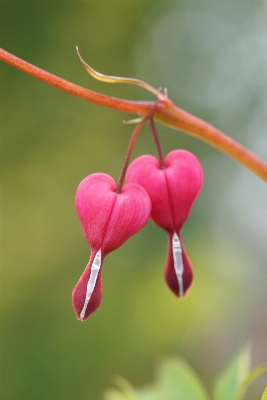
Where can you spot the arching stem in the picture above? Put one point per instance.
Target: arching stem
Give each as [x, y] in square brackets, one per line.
[165, 112]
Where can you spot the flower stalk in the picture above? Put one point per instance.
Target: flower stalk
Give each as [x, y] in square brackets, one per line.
[129, 153]
[165, 112]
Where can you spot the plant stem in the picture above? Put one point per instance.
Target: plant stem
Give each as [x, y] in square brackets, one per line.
[157, 141]
[165, 112]
[129, 152]
[187, 123]
[72, 88]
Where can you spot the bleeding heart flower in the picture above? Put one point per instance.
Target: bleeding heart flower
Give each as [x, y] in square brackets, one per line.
[172, 191]
[108, 219]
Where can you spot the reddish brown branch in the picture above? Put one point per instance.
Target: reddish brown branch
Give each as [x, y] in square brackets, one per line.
[165, 112]
[72, 88]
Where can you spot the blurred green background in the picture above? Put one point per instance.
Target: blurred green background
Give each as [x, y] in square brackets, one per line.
[212, 58]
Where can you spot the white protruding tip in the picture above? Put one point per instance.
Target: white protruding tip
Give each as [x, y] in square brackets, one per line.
[92, 281]
[178, 262]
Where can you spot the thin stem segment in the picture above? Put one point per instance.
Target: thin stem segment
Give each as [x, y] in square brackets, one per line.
[156, 137]
[129, 153]
[117, 79]
[165, 112]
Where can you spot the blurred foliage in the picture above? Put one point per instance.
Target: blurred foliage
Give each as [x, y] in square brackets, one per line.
[175, 380]
[212, 58]
[264, 396]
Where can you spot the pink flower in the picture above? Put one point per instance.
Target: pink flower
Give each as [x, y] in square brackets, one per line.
[108, 219]
[172, 191]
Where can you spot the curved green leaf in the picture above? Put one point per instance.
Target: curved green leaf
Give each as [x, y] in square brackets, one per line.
[233, 376]
[176, 380]
[264, 396]
[251, 376]
[125, 391]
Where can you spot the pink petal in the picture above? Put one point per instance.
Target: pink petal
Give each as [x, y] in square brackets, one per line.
[172, 190]
[109, 219]
[130, 213]
[95, 198]
[145, 171]
[184, 176]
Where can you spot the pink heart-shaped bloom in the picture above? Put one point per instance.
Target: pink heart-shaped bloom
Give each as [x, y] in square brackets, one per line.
[172, 191]
[108, 219]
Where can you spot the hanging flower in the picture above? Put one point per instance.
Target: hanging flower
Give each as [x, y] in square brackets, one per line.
[108, 219]
[172, 190]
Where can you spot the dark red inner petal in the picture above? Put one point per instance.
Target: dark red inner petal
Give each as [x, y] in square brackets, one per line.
[170, 275]
[79, 292]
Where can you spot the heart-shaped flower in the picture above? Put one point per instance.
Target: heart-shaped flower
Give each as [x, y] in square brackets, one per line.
[108, 219]
[172, 191]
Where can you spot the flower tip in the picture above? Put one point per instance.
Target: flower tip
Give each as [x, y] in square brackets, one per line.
[87, 294]
[82, 311]
[178, 269]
